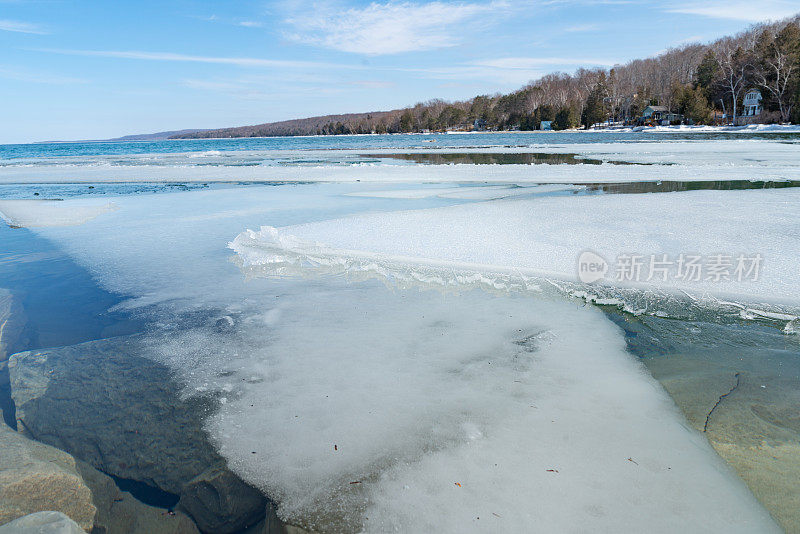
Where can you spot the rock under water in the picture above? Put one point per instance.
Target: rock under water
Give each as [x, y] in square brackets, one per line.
[120, 412]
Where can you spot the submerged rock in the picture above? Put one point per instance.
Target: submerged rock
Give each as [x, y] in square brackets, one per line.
[12, 323]
[120, 412]
[118, 512]
[272, 525]
[35, 477]
[220, 502]
[48, 522]
[740, 386]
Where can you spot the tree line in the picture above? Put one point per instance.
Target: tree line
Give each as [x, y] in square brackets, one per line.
[703, 83]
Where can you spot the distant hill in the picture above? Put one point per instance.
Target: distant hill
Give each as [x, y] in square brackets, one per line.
[158, 136]
[326, 124]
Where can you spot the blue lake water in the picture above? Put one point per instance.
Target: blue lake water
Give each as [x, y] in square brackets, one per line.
[362, 142]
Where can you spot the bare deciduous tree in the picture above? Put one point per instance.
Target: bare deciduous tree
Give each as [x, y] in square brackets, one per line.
[779, 66]
[735, 68]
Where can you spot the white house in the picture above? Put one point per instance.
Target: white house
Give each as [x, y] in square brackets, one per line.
[752, 103]
[547, 125]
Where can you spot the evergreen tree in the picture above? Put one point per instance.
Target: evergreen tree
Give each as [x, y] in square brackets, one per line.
[708, 71]
[407, 122]
[565, 119]
[594, 111]
[692, 103]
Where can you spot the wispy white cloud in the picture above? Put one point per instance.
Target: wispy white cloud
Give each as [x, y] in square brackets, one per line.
[500, 76]
[573, 3]
[373, 84]
[525, 63]
[187, 58]
[508, 71]
[231, 21]
[746, 10]
[580, 28]
[389, 28]
[248, 90]
[28, 76]
[19, 26]
[209, 85]
[692, 39]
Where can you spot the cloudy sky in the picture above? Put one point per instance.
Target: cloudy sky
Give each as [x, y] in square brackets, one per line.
[88, 69]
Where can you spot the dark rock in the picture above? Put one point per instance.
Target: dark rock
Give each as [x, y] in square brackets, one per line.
[112, 409]
[120, 412]
[12, 326]
[118, 512]
[12, 323]
[220, 502]
[271, 524]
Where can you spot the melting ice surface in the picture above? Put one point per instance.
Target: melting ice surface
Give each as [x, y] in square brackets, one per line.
[357, 407]
[269, 160]
[512, 244]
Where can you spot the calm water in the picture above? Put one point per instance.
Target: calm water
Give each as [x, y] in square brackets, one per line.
[362, 142]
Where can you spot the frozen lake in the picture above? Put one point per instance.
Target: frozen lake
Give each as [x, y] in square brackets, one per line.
[388, 338]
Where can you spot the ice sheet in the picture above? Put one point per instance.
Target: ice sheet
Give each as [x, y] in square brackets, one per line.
[462, 173]
[415, 412]
[468, 193]
[749, 128]
[41, 213]
[441, 408]
[503, 243]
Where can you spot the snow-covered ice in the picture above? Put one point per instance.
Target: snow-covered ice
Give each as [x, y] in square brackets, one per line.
[504, 243]
[360, 407]
[748, 128]
[492, 192]
[415, 412]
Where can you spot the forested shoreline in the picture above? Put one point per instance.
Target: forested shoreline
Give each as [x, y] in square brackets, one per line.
[702, 83]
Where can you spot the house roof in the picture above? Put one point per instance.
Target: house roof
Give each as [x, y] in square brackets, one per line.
[657, 108]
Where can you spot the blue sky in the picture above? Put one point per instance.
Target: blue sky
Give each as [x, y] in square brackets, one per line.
[91, 69]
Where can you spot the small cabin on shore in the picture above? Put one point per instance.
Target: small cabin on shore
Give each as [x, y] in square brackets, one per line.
[654, 113]
[659, 116]
[478, 125]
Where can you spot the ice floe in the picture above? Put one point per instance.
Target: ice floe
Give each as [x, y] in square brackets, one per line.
[508, 242]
